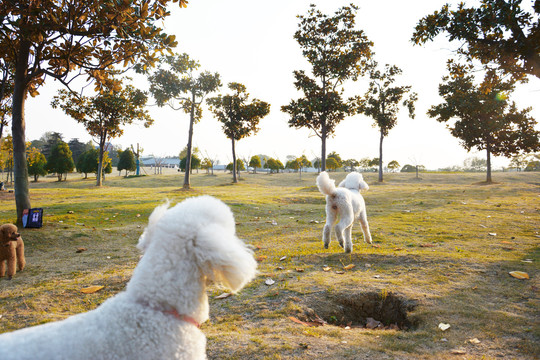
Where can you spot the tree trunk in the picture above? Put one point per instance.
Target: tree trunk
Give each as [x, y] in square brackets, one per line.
[488, 164]
[323, 148]
[100, 161]
[381, 159]
[18, 125]
[235, 180]
[190, 137]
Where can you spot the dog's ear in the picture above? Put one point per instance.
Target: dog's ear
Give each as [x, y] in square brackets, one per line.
[362, 185]
[224, 258]
[144, 239]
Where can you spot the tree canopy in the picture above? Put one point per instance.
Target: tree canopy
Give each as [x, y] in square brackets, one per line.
[176, 83]
[60, 160]
[382, 102]
[65, 39]
[336, 52]
[484, 116]
[104, 114]
[497, 33]
[240, 118]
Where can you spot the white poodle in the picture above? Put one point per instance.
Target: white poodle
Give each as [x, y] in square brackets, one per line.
[158, 315]
[346, 204]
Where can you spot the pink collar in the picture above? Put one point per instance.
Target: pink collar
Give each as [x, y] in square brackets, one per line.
[174, 313]
[181, 317]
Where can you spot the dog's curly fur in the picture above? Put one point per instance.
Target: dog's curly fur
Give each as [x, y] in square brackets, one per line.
[185, 247]
[344, 203]
[11, 250]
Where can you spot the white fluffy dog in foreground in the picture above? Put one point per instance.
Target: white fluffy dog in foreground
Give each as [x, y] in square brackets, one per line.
[158, 315]
[344, 203]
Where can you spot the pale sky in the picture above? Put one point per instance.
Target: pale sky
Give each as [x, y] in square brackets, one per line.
[251, 42]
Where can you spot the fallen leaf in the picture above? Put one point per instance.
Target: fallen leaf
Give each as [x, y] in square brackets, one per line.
[303, 322]
[314, 222]
[398, 249]
[280, 268]
[444, 327]
[519, 275]
[80, 250]
[474, 341]
[377, 276]
[223, 296]
[506, 242]
[138, 215]
[326, 268]
[492, 234]
[261, 258]
[269, 282]
[376, 245]
[349, 267]
[483, 226]
[299, 270]
[427, 245]
[282, 258]
[458, 352]
[92, 289]
[340, 272]
[70, 212]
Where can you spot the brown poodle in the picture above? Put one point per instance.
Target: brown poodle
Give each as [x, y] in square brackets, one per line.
[11, 250]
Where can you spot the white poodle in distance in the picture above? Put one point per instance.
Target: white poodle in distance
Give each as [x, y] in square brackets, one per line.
[344, 203]
[157, 317]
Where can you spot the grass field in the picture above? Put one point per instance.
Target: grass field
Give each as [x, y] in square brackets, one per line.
[444, 247]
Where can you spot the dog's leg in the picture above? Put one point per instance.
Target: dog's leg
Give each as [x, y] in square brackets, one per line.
[344, 227]
[21, 261]
[348, 239]
[365, 227]
[331, 217]
[2, 268]
[11, 265]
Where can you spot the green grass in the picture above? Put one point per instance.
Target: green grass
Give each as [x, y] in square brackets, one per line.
[433, 246]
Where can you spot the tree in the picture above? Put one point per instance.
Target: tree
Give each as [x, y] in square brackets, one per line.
[37, 163]
[484, 117]
[393, 165]
[519, 161]
[351, 163]
[475, 164]
[382, 102]
[498, 33]
[336, 52]
[533, 165]
[255, 162]
[292, 165]
[56, 39]
[60, 160]
[239, 166]
[175, 80]
[104, 114]
[195, 163]
[88, 162]
[332, 164]
[337, 158]
[127, 161]
[77, 148]
[6, 89]
[274, 165]
[6, 155]
[239, 117]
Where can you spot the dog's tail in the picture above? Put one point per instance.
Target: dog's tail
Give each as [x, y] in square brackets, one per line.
[326, 185]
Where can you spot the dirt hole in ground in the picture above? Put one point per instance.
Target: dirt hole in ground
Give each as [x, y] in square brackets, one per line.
[372, 310]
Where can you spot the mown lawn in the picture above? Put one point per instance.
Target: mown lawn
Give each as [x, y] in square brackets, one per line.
[444, 247]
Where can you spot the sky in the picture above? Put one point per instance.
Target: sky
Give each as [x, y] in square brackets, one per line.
[251, 42]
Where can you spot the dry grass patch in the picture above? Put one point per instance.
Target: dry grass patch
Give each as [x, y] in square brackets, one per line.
[444, 244]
